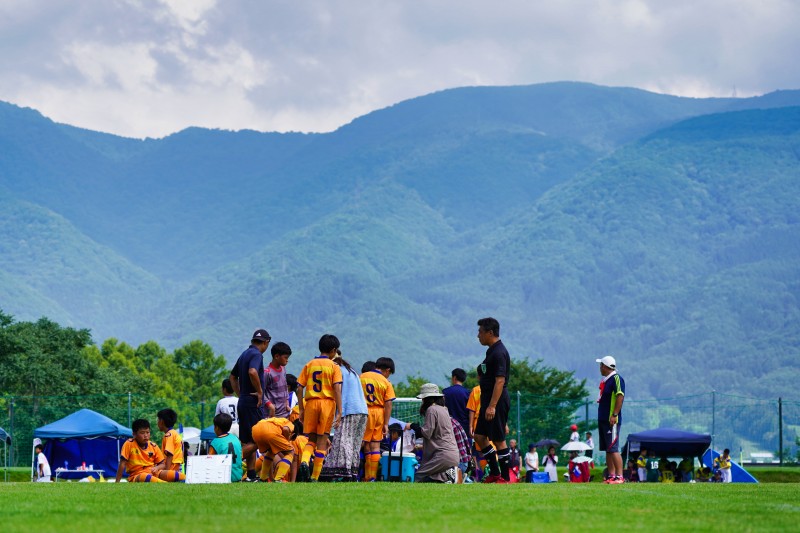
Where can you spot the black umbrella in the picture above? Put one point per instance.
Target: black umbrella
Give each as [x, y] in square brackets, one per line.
[546, 442]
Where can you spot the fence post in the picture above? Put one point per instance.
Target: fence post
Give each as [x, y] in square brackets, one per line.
[586, 414]
[713, 416]
[780, 430]
[129, 410]
[519, 421]
[11, 426]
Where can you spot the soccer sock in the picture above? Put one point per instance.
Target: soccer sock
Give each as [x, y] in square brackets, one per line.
[319, 458]
[490, 455]
[504, 457]
[251, 474]
[283, 466]
[372, 466]
[307, 451]
[266, 468]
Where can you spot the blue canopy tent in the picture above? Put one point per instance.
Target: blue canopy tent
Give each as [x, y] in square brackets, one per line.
[669, 442]
[6, 438]
[208, 433]
[84, 437]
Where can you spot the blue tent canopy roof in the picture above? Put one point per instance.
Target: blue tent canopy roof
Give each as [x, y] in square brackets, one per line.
[4, 436]
[671, 442]
[208, 433]
[83, 423]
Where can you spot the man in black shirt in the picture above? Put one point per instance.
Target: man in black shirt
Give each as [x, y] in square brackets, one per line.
[495, 403]
[247, 378]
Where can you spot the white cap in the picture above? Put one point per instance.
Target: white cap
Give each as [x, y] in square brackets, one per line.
[608, 361]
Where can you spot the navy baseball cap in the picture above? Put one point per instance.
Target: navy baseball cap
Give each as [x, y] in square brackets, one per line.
[261, 335]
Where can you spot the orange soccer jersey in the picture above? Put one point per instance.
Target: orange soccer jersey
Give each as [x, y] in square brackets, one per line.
[320, 374]
[268, 435]
[140, 461]
[172, 443]
[474, 405]
[377, 391]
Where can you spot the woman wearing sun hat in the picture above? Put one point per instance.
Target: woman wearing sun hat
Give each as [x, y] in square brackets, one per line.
[439, 449]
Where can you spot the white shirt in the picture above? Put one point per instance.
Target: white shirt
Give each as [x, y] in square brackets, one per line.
[575, 437]
[532, 461]
[41, 460]
[590, 442]
[228, 405]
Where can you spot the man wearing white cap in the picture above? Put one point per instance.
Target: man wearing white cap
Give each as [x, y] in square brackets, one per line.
[609, 416]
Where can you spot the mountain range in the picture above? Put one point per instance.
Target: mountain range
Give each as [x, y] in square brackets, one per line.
[589, 220]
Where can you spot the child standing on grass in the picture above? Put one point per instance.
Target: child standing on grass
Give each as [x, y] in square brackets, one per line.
[227, 443]
[171, 445]
[42, 466]
[379, 394]
[641, 464]
[140, 457]
[320, 406]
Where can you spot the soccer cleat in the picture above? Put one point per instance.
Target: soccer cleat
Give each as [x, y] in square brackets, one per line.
[252, 480]
[617, 481]
[303, 473]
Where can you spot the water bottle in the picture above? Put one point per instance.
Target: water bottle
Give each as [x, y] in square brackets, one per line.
[66, 465]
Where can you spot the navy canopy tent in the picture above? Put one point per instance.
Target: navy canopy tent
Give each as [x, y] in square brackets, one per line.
[669, 442]
[83, 437]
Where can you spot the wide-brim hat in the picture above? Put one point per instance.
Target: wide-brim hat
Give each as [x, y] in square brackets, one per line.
[428, 390]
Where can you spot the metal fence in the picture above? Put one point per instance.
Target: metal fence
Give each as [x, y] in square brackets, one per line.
[754, 429]
[21, 415]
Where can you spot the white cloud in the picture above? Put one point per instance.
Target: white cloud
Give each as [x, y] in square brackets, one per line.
[152, 67]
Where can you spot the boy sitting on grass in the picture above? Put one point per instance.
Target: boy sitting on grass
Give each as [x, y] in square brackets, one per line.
[140, 457]
[227, 443]
[171, 445]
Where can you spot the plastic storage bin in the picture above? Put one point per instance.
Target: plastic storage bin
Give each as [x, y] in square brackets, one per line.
[406, 470]
[541, 477]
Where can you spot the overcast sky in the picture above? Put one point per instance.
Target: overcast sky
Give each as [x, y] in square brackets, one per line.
[153, 67]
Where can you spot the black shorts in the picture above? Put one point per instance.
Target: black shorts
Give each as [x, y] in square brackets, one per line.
[249, 416]
[495, 428]
[609, 436]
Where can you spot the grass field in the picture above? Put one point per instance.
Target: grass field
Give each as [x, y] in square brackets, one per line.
[398, 507]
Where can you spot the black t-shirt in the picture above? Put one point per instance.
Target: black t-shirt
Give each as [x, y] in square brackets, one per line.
[497, 363]
[250, 358]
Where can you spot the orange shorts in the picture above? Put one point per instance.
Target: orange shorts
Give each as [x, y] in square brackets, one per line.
[318, 416]
[268, 436]
[374, 431]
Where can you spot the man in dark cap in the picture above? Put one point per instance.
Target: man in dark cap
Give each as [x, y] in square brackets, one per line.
[247, 378]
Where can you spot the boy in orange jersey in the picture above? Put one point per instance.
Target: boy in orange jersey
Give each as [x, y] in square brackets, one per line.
[171, 445]
[272, 438]
[380, 395]
[141, 458]
[473, 408]
[321, 406]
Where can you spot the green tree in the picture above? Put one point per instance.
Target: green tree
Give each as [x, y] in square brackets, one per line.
[409, 388]
[205, 369]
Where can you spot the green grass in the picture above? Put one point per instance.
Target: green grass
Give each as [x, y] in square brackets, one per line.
[398, 507]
